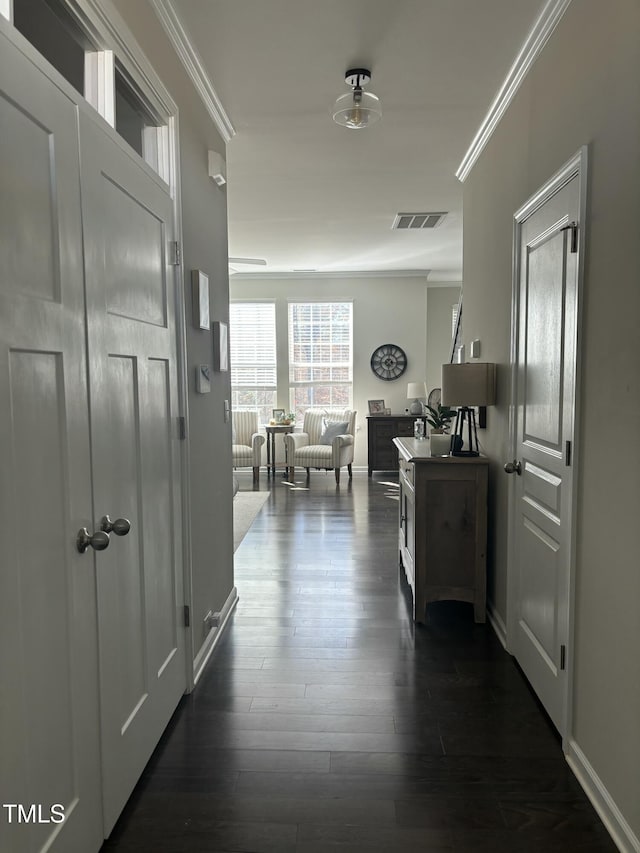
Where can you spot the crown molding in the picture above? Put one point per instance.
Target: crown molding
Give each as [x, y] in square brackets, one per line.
[190, 58]
[529, 52]
[261, 276]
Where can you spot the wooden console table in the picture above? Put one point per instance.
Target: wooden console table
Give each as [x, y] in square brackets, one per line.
[442, 526]
[381, 430]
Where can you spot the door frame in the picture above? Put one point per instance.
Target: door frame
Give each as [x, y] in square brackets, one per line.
[575, 168]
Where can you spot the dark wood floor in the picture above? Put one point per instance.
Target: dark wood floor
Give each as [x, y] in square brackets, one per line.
[327, 721]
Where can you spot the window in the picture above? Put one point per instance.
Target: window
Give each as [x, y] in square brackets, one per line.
[320, 355]
[134, 120]
[53, 32]
[252, 338]
[74, 46]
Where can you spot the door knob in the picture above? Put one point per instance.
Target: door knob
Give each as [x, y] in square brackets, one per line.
[98, 540]
[513, 467]
[121, 526]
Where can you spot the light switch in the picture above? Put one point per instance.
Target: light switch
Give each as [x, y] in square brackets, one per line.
[203, 379]
[475, 349]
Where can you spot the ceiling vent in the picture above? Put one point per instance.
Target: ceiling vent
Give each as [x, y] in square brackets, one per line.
[413, 221]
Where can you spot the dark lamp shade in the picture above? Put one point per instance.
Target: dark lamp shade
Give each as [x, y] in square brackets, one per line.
[469, 384]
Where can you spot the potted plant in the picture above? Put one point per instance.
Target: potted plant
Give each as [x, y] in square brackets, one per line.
[439, 420]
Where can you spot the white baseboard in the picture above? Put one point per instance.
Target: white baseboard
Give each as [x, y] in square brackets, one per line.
[213, 637]
[497, 624]
[621, 833]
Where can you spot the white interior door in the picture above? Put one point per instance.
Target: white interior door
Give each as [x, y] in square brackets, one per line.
[547, 235]
[49, 752]
[128, 224]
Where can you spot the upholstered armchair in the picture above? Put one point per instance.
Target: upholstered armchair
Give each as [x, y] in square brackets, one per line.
[246, 442]
[326, 441]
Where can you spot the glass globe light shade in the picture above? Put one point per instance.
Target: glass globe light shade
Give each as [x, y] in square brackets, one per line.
[357, 109]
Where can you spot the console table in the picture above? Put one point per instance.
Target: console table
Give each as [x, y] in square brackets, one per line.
[381, 430]
[442, 526]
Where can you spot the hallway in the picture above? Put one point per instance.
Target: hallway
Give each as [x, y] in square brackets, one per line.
[326, 721]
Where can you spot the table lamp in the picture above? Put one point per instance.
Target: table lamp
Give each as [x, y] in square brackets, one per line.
[416, 390]
[466, 386]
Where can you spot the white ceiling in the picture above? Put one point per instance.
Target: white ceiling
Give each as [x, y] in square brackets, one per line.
[304, 193]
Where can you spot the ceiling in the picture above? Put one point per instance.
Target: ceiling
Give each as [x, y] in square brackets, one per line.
[305, 194]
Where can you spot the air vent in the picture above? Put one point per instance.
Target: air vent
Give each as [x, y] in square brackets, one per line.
[413, 221]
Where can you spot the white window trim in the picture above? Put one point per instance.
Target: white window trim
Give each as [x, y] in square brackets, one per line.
[310, 384]
[99, 83]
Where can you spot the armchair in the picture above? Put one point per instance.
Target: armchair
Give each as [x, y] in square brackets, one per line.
[246, 442]
[315, 448]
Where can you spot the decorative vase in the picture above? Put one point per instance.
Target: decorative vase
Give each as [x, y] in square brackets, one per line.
[440, 443]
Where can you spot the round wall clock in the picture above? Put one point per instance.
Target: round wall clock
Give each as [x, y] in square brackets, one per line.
[388, 362]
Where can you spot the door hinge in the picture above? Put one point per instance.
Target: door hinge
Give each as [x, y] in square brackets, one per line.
[182, 427]
[573, 227]
[187, 615]
[567, 453]
[175, 253]
[563, 657]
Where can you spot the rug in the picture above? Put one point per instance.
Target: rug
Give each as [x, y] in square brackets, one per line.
[246, 506]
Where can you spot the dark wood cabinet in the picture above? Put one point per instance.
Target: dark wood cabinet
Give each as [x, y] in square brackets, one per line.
[381, 430]
[442, 526]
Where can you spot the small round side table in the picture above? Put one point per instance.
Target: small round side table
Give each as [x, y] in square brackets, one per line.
[272, 430]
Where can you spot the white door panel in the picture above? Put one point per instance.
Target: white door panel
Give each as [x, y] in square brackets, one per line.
[544, 390]
[91, 645]
[48, 641]
[127, 220]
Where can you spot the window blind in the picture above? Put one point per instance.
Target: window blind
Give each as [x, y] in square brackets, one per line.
[252, 341]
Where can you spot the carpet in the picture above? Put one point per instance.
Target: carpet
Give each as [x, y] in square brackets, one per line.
[246, 506]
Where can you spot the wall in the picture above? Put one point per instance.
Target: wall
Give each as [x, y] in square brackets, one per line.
[440, 301]
[204, 222]
[385, 310]
[582, 90]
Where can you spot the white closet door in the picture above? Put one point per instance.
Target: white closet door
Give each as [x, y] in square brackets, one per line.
[545, 417]
[48, 676]
[127, 220]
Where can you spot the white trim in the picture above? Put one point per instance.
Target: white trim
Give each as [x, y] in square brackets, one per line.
[497, 623]
[434, 285]
[6, 9]
[529, 52]
[99, 83]
[621, 833]
[190, 58]
[571, 169]
[253, 276]
[200, 660]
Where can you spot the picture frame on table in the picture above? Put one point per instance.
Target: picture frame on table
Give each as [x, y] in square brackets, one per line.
[376, 407]
[277, 415]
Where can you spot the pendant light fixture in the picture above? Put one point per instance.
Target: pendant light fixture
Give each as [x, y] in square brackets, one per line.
[357, 109]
